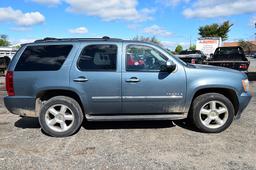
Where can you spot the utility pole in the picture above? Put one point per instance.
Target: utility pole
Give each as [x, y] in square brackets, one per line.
[190, 43]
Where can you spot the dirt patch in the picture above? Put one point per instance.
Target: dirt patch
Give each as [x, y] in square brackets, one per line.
[128, 145]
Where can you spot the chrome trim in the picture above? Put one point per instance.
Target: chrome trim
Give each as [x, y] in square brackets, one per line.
[105, 97]
[136, 97]
[152, 97]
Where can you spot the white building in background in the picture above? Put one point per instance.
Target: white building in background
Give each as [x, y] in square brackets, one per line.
[7, 52]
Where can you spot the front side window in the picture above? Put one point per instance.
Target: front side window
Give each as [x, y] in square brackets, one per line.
[143, 58]
[43, 58]
[98, 58]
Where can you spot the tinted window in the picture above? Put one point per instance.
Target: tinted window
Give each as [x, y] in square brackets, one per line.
[143, 58]
[43, 58]
[98, 57]
[227, 51]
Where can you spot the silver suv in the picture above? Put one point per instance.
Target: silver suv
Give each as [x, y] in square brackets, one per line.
[64, 81]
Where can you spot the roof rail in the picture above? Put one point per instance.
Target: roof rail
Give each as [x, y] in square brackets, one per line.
[51, 39]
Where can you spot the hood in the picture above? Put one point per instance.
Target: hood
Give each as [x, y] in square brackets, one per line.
[189, 55]
[208, 71]
[215, 68]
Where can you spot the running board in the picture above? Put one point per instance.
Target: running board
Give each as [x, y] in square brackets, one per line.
[136, 117]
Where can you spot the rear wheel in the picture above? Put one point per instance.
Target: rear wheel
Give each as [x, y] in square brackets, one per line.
[61, 116]
[212, 112]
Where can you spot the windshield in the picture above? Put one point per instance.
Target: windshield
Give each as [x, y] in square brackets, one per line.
[176, 58]
[173, 56]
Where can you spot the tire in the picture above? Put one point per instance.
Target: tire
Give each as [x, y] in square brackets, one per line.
[208, 118]
[61, 116]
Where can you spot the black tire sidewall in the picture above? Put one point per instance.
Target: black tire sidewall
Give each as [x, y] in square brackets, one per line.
[200, 101]
[69, 102]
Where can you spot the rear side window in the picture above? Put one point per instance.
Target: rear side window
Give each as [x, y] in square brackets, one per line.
[98, 58]
[43, 58]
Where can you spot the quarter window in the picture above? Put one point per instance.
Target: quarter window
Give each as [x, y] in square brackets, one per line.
[98, 58]
[144, 58]
[43, 58]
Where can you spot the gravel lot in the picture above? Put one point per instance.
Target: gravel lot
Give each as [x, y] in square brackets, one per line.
[128, 145]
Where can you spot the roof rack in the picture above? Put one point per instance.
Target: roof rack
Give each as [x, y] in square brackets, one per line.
[51, 39]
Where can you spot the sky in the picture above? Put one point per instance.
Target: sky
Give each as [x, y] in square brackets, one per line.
[171, 21]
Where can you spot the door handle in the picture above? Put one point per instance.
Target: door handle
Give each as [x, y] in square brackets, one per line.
[80, 79]
[133, 80]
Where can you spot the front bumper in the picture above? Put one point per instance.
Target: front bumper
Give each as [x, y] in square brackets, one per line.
[23, 106]
[244, 100]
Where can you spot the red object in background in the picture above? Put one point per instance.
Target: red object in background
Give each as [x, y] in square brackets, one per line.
[9, 83]
[243, 66]
[193, 61]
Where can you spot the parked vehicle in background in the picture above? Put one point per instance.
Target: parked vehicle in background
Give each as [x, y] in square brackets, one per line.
[230, 57]
[4, 62]
[64, 81]
[192, 56]
[254, 55]
[6, 54]
[208, 45]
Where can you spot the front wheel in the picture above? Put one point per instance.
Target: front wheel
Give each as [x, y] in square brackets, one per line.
[61, 116]
[212, 112]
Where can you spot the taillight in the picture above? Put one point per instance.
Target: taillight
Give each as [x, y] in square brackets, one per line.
[9, 83]
[243, 66]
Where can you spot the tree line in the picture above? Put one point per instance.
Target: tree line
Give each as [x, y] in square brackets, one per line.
[212, 30]
[4, 40]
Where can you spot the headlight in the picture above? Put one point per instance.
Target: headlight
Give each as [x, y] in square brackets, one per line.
[246, 85]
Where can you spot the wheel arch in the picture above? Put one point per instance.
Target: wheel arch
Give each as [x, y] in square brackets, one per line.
[227, 92]
[45, 95]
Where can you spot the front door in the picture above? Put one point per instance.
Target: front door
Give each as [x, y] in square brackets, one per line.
[96, 74]
[147, 90]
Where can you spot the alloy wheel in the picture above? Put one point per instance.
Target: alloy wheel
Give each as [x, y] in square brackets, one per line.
[59, 118]
[214, 114]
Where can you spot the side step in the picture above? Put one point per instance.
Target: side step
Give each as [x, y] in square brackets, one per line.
[136, 117]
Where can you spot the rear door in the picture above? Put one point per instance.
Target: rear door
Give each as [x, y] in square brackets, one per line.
[96, 75]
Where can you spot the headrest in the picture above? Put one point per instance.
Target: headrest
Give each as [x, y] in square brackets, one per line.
[101, 59]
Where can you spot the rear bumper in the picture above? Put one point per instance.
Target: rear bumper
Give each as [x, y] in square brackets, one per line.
[244, 100]
[24, 106]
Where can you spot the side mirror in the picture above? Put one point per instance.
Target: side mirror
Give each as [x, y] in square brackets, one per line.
[211, 55]
[169, 66]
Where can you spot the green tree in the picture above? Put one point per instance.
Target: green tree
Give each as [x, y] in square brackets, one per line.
[148, 39]
[178, 49]
[192, 47]
[17, 46]
[216, 30]
[4, 40]
[246, 45]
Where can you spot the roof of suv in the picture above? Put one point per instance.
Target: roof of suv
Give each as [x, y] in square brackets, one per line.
[105, 38]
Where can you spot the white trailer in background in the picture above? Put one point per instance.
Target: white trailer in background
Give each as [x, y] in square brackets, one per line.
[6, 54]
[208, 45]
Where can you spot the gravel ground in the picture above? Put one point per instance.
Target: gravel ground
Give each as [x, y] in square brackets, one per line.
[252, 67]
[128, 145]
